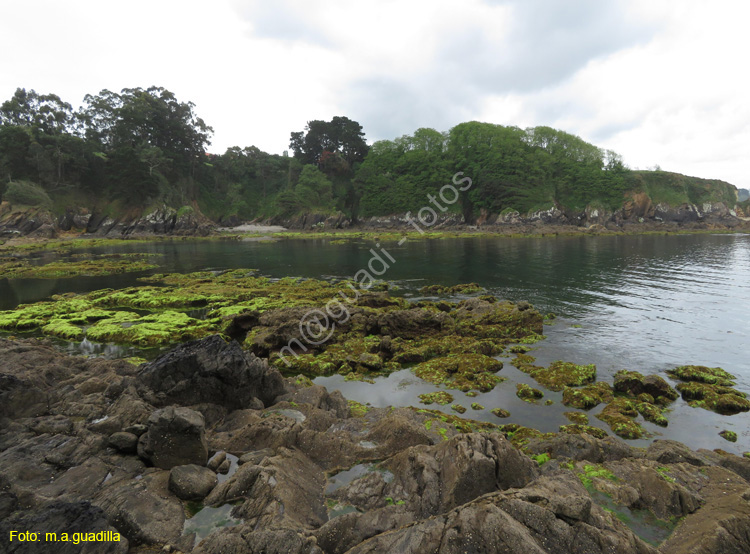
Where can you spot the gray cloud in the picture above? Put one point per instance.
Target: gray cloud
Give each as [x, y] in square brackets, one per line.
[388, 108]
[547, 42]
[281, 21]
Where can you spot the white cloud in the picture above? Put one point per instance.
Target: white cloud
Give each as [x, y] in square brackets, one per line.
[660, 82]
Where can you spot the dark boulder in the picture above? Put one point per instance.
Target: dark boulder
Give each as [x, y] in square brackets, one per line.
[209, 371]
[175, 437]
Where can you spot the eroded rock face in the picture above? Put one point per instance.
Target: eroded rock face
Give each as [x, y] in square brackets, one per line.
[175, 437]
[722, 524]
[144, 510]
[417, 489]
[210, 371]
[552, 515]
[583, 447]
[433, 479]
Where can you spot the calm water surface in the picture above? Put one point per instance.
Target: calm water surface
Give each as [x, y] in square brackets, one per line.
[646, 303]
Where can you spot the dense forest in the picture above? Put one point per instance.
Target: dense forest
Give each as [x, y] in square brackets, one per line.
[131, 151]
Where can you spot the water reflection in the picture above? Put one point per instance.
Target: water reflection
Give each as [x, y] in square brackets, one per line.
[645, 303]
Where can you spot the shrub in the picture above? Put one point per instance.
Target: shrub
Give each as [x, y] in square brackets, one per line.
[27, 194]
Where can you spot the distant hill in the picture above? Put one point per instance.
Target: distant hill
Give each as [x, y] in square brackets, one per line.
[123, 156]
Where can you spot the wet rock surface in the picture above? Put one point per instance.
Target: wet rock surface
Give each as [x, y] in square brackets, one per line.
[309, 472]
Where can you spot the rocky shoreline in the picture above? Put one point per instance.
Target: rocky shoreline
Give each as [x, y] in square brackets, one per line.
[90, 445]
[637, 215]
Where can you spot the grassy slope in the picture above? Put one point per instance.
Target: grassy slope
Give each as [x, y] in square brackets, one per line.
[675, 189]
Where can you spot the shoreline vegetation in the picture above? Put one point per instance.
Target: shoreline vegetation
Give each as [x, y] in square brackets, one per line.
[137, 162]
[217, 438]
[67, 241]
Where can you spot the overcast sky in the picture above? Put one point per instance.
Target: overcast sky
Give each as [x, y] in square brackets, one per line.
[660, 81]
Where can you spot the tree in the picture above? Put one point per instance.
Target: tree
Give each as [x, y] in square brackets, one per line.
[145, 119]
[313, 189]
[45, 113]
[341, 135]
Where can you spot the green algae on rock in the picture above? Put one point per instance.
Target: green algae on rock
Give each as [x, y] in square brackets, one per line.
[103, 264]
[655, 388]
[451, 344]
[357, 409]
[375, 333]
[588, 396]
[524, 362]
[519, 436]
[559, 374]
[468, 288]
[519, 349]
[463, 372]
[150, 330]
[703, 374]
[476, 406]
[620, 415]
[731, 436]
[581, 429]
[499, 412]
[527, 393]
[458, 408]
[722, 400]
[710, 388]
[578, 418]
[439, 397]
